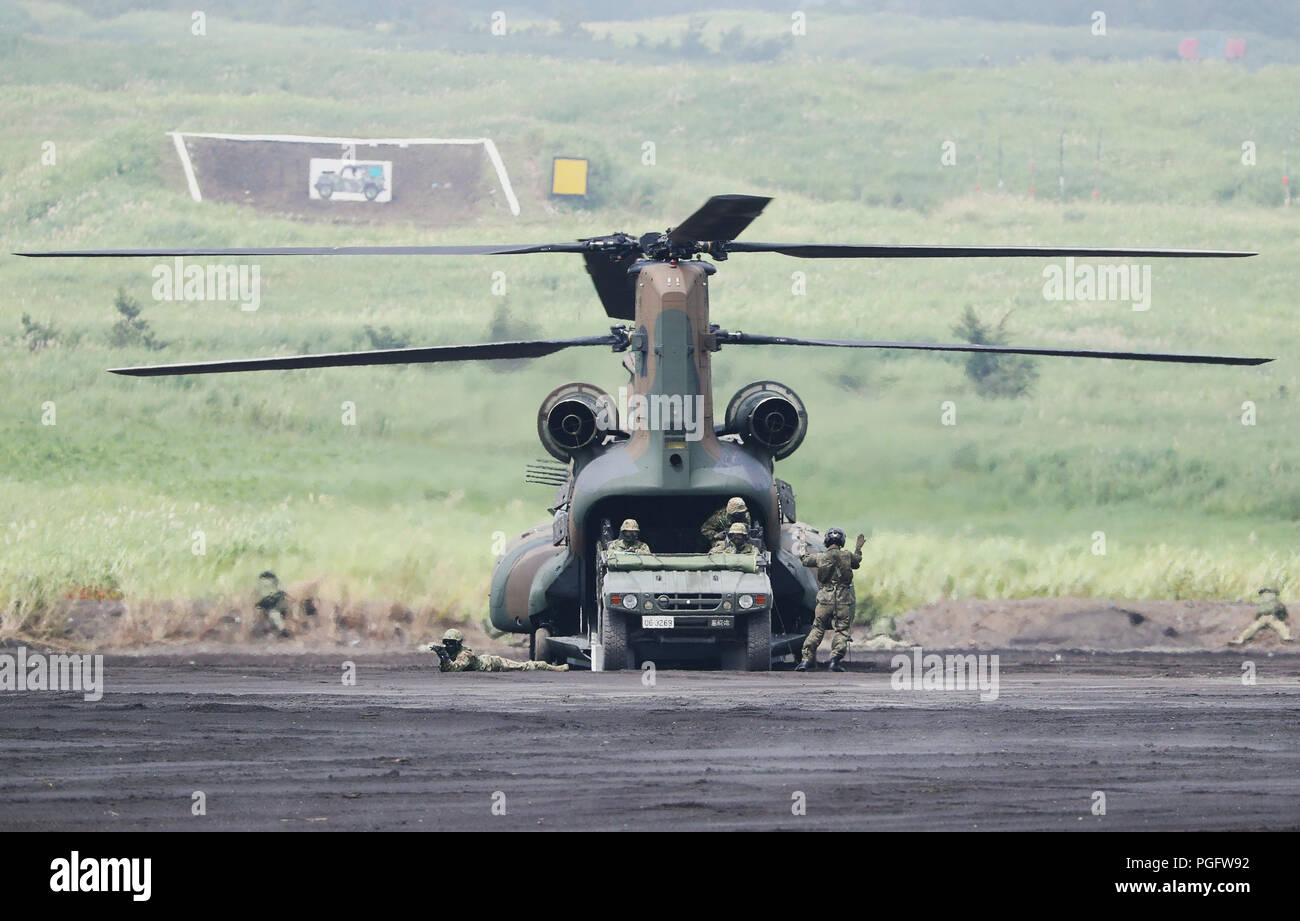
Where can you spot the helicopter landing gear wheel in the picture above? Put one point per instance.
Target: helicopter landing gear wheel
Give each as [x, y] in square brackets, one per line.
[539, 646]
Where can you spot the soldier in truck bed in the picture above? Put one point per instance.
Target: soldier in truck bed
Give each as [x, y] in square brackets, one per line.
[629, 538]
[737, 542]
[717, 525]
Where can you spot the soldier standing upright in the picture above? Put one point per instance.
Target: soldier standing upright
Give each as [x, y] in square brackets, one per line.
[629, 538]
[455, 656]
[715, 527]
[835, 598]
[1271, 613]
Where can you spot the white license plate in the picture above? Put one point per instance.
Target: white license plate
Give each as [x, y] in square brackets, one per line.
[658, 623]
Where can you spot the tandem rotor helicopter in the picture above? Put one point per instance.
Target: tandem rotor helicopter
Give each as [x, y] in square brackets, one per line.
[560, 582]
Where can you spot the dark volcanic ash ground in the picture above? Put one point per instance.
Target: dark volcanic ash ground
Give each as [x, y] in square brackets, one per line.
[1174, 741]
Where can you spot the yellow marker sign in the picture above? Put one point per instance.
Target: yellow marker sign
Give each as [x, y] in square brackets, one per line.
[569, 176]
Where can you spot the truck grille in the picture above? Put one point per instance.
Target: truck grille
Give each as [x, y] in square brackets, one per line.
[689, 601]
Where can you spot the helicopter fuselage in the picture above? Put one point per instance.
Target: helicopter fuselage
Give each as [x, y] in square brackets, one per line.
[669, 469]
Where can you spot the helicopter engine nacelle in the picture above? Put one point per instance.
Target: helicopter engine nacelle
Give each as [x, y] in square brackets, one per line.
[574, 417]
[770, 415]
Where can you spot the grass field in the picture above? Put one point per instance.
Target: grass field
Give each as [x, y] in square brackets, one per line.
[406, 504]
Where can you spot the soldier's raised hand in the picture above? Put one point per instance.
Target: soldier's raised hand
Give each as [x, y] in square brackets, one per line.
[862, 539]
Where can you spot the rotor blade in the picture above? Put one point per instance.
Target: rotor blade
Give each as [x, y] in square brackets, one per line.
[722, 217]
[469, 250]
[613, 285]
[487, 351]
[948, 251]
[740, 338]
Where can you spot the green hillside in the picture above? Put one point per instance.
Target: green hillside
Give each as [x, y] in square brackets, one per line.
[406, 504]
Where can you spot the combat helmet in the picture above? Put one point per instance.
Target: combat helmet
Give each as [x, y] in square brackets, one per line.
[736, 506]
[453, 636]
[738, 528]
[834, 536]
[629, 524]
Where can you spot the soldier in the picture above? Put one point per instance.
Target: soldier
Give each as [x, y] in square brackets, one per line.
[1271, 613]
[629, 539]
[716, 525]
[455, 656]
[835, 598]
[737, 541]
[273, 601]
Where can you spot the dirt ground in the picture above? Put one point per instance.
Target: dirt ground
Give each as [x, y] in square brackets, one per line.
[972, 624]
[1083, 623]
[1173, 741]
[1140, 701]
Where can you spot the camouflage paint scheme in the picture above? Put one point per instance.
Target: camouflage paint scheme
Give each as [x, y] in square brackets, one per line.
[467, 660]
[546, 575]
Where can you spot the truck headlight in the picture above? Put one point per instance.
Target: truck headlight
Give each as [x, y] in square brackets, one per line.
[745, 601]
[629, 601]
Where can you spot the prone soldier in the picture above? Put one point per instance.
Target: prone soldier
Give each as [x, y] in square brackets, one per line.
[1271, 613]
[455, 656]
[835, 598]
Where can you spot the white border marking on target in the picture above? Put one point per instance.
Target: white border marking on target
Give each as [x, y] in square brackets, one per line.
[178, 137]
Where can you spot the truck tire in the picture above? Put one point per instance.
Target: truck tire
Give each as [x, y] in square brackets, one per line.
[755, 654]
[371, 191]
[324, 191]
[613, 635]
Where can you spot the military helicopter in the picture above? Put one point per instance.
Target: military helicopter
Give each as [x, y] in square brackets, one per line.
[669, 470]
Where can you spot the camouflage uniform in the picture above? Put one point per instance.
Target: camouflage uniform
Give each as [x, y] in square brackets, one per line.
[469, 661]
[628, 540]
[716, 525]
[272, 600]
[737, 541]
[1271, 613]
[835, 599]
[465, 660]
[629, 546]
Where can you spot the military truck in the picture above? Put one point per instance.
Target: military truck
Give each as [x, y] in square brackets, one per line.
[707, 608]
[366, 178]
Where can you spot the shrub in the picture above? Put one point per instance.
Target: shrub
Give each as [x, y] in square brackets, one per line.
[130, 329]
[994, 375]
[39, 335]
